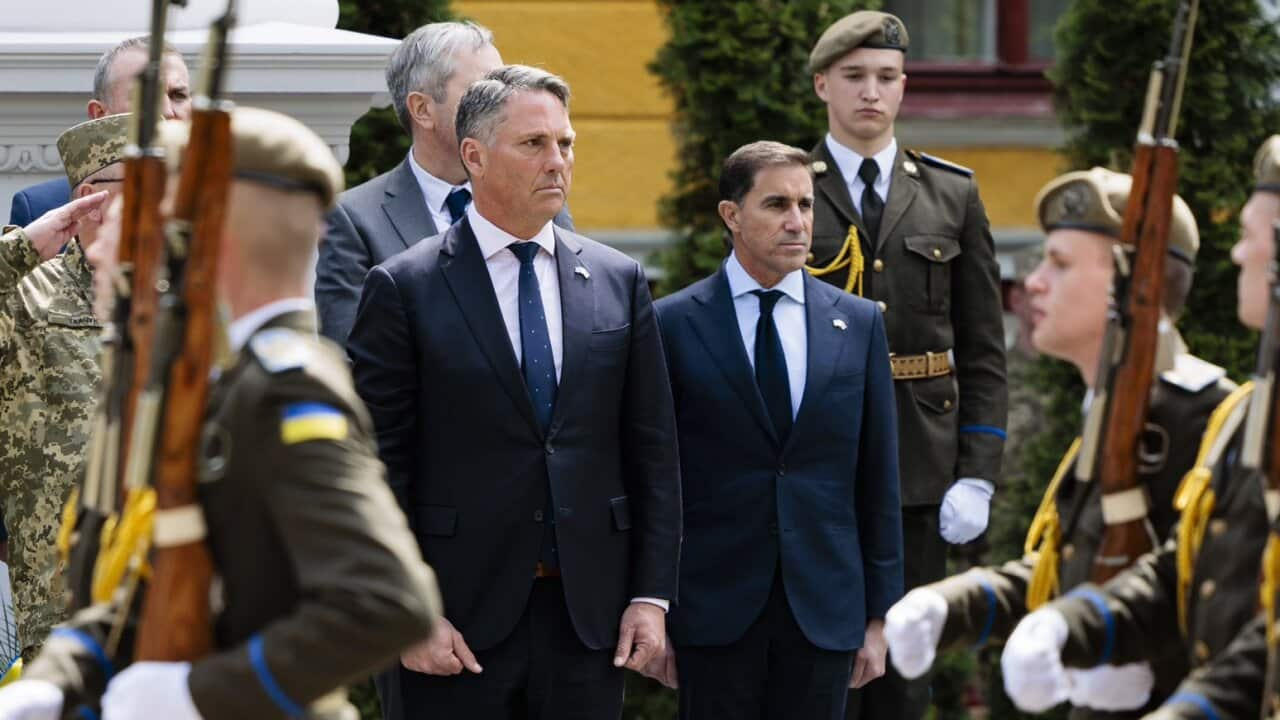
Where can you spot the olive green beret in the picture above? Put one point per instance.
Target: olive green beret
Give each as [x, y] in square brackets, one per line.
[1094, 200]
[90, 146]
[273, 149]
[865, 28]
[1266, 166]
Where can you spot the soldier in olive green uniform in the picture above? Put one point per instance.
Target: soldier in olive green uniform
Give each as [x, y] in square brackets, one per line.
[319, 580]
[1232, 685]
[49, 376]
[909, 231]
[1081, 212]
[1196, 593]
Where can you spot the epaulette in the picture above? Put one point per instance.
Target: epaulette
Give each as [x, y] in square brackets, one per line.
[938, 162]
[1192, 374]
[281, 349]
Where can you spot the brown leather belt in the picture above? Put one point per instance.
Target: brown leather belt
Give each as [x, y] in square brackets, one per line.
[545, 571]
[918, 367]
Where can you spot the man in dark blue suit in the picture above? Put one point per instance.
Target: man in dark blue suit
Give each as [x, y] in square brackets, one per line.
[515, 375]
[788, 456]
[112, 94]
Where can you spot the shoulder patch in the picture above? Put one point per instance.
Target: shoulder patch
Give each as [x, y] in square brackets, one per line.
[280, 350]
[301, 422]
[1192, 374]
[938, 162]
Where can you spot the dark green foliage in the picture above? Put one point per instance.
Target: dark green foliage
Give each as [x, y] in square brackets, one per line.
[737, 73]
[377, 140]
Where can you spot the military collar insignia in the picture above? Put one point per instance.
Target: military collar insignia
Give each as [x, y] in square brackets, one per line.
[910, 168]
[280, 349]
[818, 167]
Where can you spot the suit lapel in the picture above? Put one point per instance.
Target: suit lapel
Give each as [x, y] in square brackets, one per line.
[832, 184]
[716, 324]
[405, 207]
[468, 278]
[577, 311]
[902, 191]
[825, 341]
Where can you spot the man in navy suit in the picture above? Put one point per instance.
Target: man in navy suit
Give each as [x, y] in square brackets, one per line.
[788, 456]
[112, 94]
[515, 375]
[421, 196]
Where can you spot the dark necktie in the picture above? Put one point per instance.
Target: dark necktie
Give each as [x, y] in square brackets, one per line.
[457, 203]
[771, 365]
[872, 205]
[539, 368]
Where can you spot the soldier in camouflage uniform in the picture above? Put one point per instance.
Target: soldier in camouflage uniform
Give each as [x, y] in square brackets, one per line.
[1196, 593]
[49, 376]
[1081, 213]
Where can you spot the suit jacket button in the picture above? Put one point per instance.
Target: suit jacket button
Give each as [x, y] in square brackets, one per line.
[549, 448]
[773, 528]
[878, 265]
[537, 516]
[782, 470]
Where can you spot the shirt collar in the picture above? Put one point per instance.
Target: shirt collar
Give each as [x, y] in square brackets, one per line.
[493, 239]
[435, 190]
[741, 283]
[242, 328]
[849, 161]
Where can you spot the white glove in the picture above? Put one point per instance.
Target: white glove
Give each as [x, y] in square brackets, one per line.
[148, 690]
[1112, 688]
[965, 509]
[30, 700]
[1034, 677]
[912, 628]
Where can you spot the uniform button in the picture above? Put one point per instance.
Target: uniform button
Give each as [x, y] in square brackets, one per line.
[937, 254]
[549, 448]
[1202, 651]
[537, 516]
[809, 258]
[1206, 588]
[880, 304]
[878, 265]
[946, 404]
[566, 512]
[1217, 527]
[782, 470]
[1068, 550]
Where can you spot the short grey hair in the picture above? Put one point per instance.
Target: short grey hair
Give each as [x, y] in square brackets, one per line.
[424, 62]
[102, 73]
[480, 109]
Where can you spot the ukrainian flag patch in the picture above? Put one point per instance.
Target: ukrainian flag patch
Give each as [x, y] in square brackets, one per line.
[312, 421]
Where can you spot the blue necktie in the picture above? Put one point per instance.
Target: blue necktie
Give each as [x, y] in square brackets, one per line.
[457, 203]
[771, 365]
[539, 368]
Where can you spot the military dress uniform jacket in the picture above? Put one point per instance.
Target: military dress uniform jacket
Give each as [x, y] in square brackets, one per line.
[1137, 615]
[49, 375]
[320, 580]
[933, 273]
[985, 604]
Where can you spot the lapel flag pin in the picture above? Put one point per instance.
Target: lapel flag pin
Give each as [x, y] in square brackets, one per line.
[839, 324]
[583, 272]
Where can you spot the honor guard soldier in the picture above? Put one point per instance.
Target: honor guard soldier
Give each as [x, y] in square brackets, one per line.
[49, 370]
[908, 231]
[1080, 213]
[319, 580]
[1196, 593]
[1244, 680]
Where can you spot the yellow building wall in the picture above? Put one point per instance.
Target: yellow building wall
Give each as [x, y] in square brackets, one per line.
[625, 151]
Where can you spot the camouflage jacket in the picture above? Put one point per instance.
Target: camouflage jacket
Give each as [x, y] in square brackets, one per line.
[49, 377]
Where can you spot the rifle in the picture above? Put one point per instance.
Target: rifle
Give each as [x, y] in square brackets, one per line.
[175, 621]
[1117, 415]
[91, 519]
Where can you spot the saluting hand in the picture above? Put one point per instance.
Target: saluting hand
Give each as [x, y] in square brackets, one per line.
[642, 634]
[868, 664]
[444, 653]
[52, 230]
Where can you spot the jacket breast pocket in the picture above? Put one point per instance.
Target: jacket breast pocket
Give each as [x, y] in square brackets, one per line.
[612, 339]
[929, 288]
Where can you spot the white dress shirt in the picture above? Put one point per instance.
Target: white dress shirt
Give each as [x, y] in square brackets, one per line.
[239, 331]
[504, 271]
[849, 161]
[788, 316]
[434, 192]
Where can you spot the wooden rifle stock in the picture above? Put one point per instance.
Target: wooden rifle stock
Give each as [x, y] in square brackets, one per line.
[1134, 325]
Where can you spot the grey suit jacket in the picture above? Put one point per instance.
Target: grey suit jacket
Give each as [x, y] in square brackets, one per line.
[372, 222]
